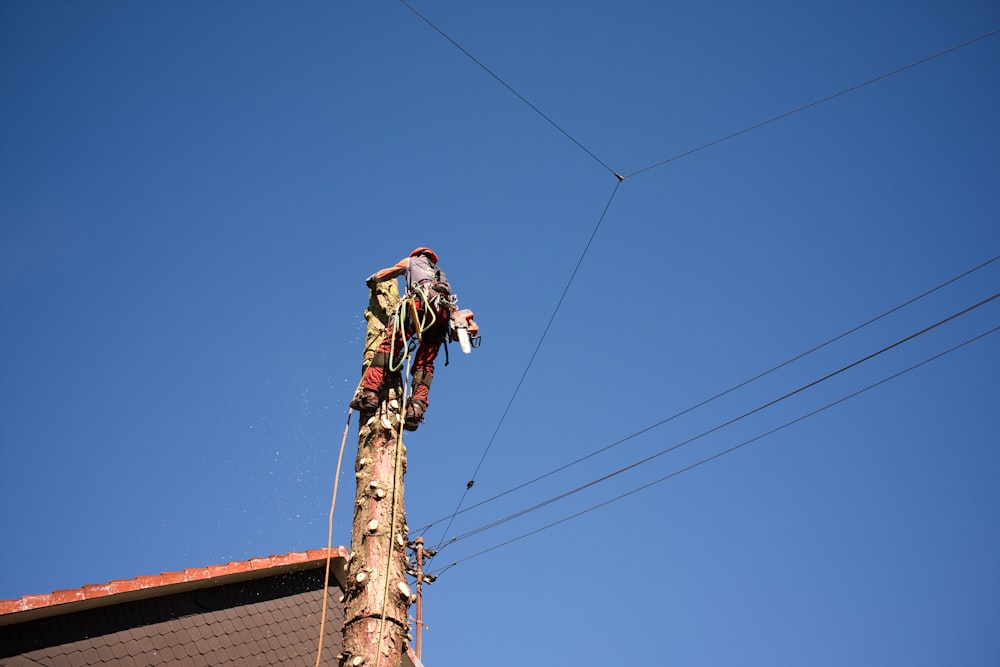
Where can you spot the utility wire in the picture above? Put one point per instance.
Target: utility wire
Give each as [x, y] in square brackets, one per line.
[714, 142]
[716, 396]
[511, 89]
[622, 178]
[759, 408]
[520, 382]
[821, 100]
[717, 455]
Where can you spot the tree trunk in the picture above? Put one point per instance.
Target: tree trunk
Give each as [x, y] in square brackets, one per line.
[377, 597]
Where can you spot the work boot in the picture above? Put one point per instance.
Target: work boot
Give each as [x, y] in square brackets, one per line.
[414, 414]
[365, 400]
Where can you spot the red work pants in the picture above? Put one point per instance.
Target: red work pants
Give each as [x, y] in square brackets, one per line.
[435, 317]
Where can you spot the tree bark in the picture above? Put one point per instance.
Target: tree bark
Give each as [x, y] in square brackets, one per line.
[377, 597]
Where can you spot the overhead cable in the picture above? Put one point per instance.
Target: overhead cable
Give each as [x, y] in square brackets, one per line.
[716, 455]
[814, 103]
[715, 397]
[621, 178]
[511, 89]
[725, 424]
[538, 346]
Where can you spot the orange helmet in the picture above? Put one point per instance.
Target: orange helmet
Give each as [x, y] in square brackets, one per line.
[425, 251]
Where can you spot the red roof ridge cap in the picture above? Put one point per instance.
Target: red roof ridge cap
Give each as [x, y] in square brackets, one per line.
[146, 581]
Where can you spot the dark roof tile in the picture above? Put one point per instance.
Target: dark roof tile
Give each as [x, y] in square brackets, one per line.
[217, 657]
[120, 649]
[106, 653]
[181, 635]
[90, 656]
[242, 615]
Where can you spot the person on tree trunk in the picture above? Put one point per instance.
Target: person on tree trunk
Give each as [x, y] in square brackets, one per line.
[428, 289]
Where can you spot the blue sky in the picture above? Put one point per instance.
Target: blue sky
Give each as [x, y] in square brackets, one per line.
[191, 195]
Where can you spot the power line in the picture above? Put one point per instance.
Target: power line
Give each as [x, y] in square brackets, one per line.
[718, 454]
[545, 332]
[759, 408]
[716, 396]
[821, 100]
[511, 89]
[714, 142]
[620, 178]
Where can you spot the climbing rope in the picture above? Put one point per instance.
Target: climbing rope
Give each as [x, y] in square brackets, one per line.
[392, 512]
[329, 540]
[398, 326]
[405, 306]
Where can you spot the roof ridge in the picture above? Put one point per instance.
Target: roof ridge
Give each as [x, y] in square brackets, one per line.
[143, 582]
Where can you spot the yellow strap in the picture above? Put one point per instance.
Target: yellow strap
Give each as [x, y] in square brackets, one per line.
[416, 320]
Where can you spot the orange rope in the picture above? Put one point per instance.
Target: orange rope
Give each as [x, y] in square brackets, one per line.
[392, 512]
[329, 540]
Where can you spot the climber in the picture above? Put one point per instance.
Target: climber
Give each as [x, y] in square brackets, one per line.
[428, 289]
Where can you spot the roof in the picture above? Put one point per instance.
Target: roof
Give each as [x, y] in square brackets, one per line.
[262, 611]
[152, 585]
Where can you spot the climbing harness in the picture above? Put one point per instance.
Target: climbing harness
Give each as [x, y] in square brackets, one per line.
[432, 300]
[427, 305]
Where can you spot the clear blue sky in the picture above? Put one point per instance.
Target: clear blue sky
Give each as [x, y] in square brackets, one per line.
[191, 195]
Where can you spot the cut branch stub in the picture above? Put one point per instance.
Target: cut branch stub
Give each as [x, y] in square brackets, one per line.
[367, 639]
[404, 590]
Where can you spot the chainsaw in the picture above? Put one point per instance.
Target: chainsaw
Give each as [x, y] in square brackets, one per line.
[464, 329]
